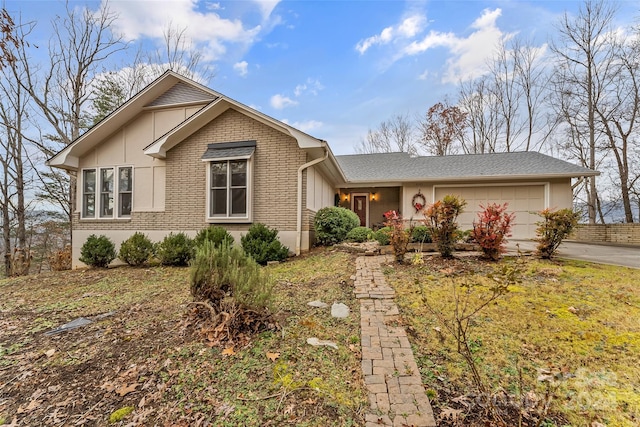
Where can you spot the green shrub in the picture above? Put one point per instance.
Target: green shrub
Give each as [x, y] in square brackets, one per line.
[215, 234]
[441, 218]
[360, 234]
[420, 234]
[98, 251]
[333, 223]
[175, 249]
[262, 244]
[383, 235]
[219, 272]
[136, 250]
[553, 229]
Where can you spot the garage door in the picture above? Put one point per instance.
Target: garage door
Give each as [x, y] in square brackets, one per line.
[521, 199]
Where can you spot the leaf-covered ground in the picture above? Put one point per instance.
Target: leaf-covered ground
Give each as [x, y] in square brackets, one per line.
[575, 320]
[141, 365]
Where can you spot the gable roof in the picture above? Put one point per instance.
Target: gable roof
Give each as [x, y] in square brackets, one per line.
[173, 89]
[401, 167]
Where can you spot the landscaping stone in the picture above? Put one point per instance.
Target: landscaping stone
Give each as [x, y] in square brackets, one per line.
[339, 310]
[318, 304]
[316, 342]
[74, 324]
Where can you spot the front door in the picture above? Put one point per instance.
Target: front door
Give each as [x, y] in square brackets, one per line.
[360, 208]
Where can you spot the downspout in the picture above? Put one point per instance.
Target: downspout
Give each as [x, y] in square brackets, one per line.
[299, 201]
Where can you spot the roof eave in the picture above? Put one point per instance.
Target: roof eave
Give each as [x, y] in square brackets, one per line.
[476, 178]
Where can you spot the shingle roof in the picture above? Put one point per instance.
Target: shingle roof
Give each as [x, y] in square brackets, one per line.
[225, 150]
[402, 167]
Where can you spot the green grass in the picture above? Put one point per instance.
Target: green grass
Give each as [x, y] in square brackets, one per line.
[566, 316]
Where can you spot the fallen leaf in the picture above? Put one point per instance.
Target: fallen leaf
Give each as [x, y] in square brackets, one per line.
[228, 351]
[450, 412]
[126, 389]
[572, 310]
[50, 353]
[316, 342]
[272, 356]
[142, 401]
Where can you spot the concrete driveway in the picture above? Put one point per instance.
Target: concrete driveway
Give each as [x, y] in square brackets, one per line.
[626, 256]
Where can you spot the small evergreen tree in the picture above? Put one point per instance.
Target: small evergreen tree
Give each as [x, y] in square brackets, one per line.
[98, 251]
[262, 244]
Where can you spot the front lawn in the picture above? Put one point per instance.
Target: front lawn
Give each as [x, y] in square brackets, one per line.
[142, 365]
[571, 326]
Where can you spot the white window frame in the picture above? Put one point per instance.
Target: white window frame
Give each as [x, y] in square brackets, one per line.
[230, 219]
[97, 195]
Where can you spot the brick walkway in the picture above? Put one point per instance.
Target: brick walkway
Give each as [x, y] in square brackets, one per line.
[396, 394]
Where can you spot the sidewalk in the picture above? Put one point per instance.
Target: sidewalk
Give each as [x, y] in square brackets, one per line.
[396, 394]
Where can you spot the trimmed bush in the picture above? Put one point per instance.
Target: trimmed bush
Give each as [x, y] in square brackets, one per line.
[441, 218]
[261, 243]
[383, 235]
[175, 249]
[360, 234]
[553, 229]
[399, 237]
[219, 272]
[420, 234]
[492, 228]
[215, 234]
[333, 223]
[136, 250]
[98, 251]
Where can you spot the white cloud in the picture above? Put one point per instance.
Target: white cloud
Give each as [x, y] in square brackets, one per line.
[311, 86]
[210, 32]
[280, 101]
[241, 68]
[305, 126]
[407, 28]
[468, 55]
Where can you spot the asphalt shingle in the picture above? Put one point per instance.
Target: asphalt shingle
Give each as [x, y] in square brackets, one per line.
[402, 167]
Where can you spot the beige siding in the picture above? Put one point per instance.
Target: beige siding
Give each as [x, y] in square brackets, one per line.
[320, 192]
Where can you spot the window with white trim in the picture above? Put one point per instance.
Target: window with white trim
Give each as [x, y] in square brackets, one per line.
[229, 169]
[107, 192]
[229, 193]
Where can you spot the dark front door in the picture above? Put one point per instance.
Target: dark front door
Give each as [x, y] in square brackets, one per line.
[360, 208]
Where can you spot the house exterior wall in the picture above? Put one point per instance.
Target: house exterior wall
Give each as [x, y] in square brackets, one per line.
[386, 199]
[183, 175]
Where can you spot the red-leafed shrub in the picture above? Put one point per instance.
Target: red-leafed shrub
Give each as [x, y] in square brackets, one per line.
[492, 229]
[399, 236]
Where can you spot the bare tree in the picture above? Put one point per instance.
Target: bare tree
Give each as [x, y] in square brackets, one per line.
[585, 53]
[8, 39]
[13, 185]
[443, 126]
[394, 135]
[81, 40]
[617, 114]
[478, 100]
[177, 53]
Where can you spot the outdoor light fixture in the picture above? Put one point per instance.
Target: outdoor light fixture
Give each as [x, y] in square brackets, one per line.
[346, 197]
[374, 197]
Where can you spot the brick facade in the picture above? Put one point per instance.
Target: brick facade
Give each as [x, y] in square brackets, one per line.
[608, 233]
[275, 164]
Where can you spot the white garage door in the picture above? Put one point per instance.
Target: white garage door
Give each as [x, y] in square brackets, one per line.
[521, 199]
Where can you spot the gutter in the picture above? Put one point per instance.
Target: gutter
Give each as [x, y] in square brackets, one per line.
[299, 197]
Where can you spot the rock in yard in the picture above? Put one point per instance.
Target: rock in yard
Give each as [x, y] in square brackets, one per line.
[318, 304]
[316, 342]
[74, 324]
[339, 310]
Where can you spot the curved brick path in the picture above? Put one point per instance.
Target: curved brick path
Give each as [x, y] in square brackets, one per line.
[396, 394]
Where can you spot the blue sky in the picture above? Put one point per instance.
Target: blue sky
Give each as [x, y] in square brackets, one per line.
[332, 68]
